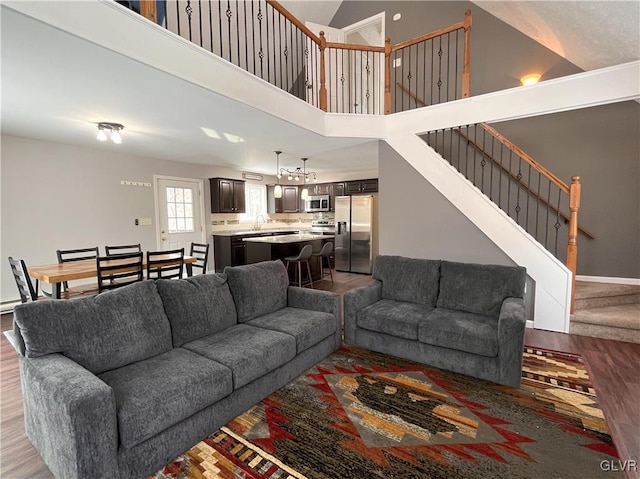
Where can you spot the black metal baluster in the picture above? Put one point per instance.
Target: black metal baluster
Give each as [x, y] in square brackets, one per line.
[509, 183]
[275, 64]
[210, 28]
[528, 197]
[229, 14]
[330, 80]
[280, 49]
[449, 63]
[246, 37]
[546, 229]
[253, 35]
[466, 153]
[261, 52]
[519, 178]
[238, 51]
[342, 78]
[557, 223]
[220, 25]
[440, 70]
[491, 157]
[538, 196]
[177, 17]
[501, 173]
[200, 20]
[373, 85]
[189, 10]
[457, 63]
[431, 98]
[409, 76]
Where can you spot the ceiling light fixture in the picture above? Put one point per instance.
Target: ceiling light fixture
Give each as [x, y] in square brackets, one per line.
[108, 130]
[277, 190]
[298, 173]
[530, 79]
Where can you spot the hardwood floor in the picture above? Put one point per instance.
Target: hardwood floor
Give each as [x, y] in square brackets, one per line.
[612, 365]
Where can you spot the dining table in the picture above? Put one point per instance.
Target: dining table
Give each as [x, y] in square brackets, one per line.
[57, 273]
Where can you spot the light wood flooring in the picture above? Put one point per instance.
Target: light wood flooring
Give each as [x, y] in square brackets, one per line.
[613, 366]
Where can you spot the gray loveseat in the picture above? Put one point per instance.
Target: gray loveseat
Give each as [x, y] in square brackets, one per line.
[467, 318]
[117, 385]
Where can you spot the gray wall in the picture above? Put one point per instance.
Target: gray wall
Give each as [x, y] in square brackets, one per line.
[417, 221]
[600, 144]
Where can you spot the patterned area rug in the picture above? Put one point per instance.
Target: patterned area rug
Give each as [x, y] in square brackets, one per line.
[561, 381]
[360, 414]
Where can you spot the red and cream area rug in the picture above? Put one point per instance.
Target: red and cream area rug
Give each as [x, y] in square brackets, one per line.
[360, 415]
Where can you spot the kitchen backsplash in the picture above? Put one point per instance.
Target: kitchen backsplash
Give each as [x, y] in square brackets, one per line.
[226, 221]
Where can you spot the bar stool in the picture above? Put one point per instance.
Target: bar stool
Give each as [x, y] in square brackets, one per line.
[303, 257]
[325, 252]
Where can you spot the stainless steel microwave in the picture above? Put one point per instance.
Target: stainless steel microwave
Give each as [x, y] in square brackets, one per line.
[314, 204]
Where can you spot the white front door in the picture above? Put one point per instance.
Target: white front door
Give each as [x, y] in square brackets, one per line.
[179, 211]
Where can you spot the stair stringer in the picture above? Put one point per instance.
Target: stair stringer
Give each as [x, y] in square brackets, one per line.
[552, 303]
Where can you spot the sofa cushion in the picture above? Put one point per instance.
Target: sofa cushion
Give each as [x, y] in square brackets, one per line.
[396, 318]
[100, 333]
[197, 306]
[258, 289]
[248, 351]
[479, 288]
[408, 279]
[308, 327]
[157, 393]
[469, 332]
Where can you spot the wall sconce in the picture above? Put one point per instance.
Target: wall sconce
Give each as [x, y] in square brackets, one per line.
[530, 79]
[110, 130]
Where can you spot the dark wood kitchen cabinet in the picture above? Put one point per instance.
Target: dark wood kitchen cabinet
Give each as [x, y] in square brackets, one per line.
[362, 186]
[227, 195]
[289, 203]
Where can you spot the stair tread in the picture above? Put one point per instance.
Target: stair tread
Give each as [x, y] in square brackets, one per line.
[626, 316]
[588, 289]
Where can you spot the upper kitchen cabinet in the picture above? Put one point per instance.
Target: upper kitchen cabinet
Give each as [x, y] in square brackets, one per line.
[289, 203]
[227, 196]
[323, 189]
[361, 186]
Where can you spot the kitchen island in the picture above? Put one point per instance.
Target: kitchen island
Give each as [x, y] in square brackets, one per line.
[267, 248]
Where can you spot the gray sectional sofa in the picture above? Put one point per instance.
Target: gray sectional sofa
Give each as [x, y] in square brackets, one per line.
[467, 318]
[117, 385]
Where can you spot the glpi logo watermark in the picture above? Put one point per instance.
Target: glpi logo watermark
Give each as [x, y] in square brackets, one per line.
[616, 465]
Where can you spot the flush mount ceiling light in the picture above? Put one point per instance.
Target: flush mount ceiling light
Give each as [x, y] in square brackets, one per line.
[530, 79]
[111, 131]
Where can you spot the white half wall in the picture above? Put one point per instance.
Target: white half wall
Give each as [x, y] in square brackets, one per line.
[552, 279]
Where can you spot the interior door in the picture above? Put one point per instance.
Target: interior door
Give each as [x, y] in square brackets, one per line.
[179, 210]
[333, 62]
[354, 80]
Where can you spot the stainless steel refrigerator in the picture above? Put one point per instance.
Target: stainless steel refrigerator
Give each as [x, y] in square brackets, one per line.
[356, 233]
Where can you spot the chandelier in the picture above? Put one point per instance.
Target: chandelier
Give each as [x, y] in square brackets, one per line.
[294, 174]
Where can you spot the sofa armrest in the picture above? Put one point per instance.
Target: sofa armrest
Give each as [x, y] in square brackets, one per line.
[316, 300]
[511, 324]
[355, 300]
[70, 417]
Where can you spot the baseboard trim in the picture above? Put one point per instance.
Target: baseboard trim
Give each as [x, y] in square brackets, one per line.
[529, 323]
[7, 306]
[609, 279]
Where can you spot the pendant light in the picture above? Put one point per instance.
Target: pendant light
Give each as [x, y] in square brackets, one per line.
[277, 190]
[305, 191]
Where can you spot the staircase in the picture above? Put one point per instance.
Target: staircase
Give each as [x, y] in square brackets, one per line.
[606, 310]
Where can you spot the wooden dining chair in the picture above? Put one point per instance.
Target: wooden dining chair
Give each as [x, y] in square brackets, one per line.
[69, 255]
[201, 253]
[119, 270]
[121, 249]
[25, 287]
[165, 264]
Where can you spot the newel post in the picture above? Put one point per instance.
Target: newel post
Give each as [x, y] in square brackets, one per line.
[466, 68]
[387, 76]
[323, 80]
[572, 246]
[148, 10]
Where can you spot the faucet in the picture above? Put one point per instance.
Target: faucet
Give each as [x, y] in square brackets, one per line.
[257, 224]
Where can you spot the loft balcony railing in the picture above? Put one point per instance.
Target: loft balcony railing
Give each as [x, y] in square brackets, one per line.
[540, 202]
[265, 39]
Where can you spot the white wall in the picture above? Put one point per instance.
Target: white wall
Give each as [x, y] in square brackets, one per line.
[64, 196]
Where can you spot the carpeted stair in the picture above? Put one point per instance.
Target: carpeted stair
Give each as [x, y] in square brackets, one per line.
[606, 310]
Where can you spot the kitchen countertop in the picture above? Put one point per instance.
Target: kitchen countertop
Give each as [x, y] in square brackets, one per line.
[255, 232]
[283, 239]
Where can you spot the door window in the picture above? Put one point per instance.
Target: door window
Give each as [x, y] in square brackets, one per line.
[180, 210]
